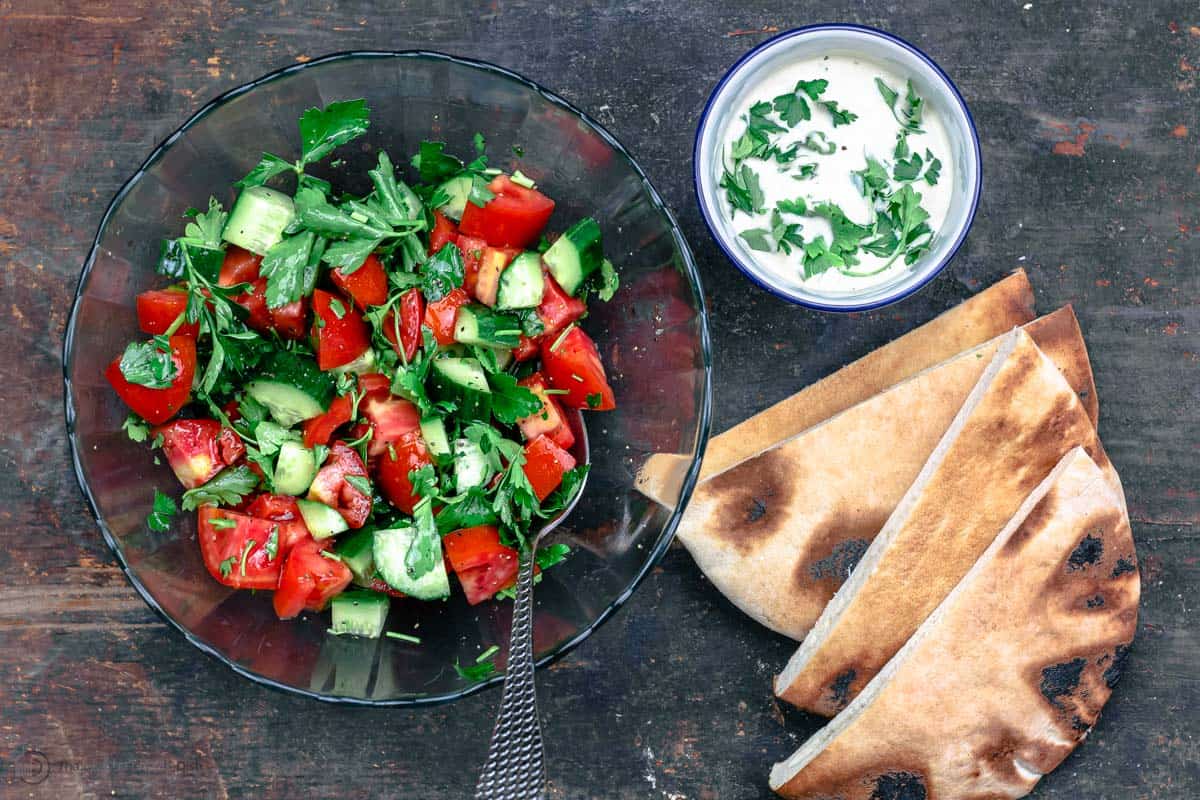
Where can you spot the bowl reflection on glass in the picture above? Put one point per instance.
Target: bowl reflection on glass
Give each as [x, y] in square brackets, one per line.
[652, 336]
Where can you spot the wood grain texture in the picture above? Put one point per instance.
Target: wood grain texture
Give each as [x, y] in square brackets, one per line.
[1089, 121]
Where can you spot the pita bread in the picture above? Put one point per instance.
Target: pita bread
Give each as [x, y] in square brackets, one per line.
[1008, 674]
[1019, 421]
[994, 311]
[779, 533]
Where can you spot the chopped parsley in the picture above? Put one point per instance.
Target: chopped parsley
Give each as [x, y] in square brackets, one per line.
[163, 508]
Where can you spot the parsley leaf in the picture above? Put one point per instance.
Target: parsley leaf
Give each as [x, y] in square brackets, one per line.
[847, 234]
[572, 484]
[149, 363]
[285, 266]
[818, 142]
[797, 206]
[792, 109]
[159, 518]
[813, 89]
[272, 545]
[818, 258]
[226, 566]
[743, 190]
[205, 229]
[442, 273]
[840, 116]
[267, 167]
[322, 130]
[425, 550]
[608, 281]
[359, 482]
[758, 239]
[349, 255]
[466, 511]
[387, 198]
[136, 428]
[475, 672]
[227, 487]
[434, 164]
[511, 402]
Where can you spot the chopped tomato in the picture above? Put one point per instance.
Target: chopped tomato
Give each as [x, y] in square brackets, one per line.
[374, 383]
[282, 509]
[545, 465]
[158, 309]
[308, 580]
[390, 417]
[558, 309]
[235, 551]
[241, 266]
[366, 286]
[156, 406]
[472, 253]
[493, 262]
[340, 332]
[197, 449]
[513, 218]
[484, 566]
[441, 315]
[571, 362]
[407, 322]
[444, 232]
[526, 348]
[394, 465]
[549, 420]
[331, 487]
[290, 320]
[319, 429]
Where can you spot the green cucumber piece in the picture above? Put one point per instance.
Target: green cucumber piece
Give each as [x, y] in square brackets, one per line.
[575, 255]
[258, 219]
[479, 325]
[292, 388]
[521, 283]
[359, 613]
[295, 468]
[357, 552]
[390, 551]
[321, 520]
[463, 381]
[457, 189]
[433, 431]
[471, 466]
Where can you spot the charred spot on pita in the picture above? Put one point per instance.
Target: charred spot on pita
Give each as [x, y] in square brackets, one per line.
[1089, 551]
[1123, 565]
[749, 496]
[841, 562]
[1061, 680]
[840, 689]
[899, 786]
[1113, 673]
[1096, 602]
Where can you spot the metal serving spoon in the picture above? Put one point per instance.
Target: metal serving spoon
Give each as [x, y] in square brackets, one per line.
[516, 762]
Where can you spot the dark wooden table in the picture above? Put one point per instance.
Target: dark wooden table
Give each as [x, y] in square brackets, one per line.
[1090, 128]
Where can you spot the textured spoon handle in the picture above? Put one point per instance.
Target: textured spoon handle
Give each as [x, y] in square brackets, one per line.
[516, 762]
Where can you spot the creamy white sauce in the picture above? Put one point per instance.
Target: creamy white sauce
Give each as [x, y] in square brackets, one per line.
[852, 86]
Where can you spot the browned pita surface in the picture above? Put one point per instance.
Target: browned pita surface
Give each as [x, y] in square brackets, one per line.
[993, 455]
[780, 532]
[996, 310]
[1009, 673]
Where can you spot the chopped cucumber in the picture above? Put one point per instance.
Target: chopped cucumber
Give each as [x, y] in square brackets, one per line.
[433, 431]
[463, 381]
[457, 189]
[292, 388]
[480, 325]
[258, 219]
[295, 468]
[359, 366]
[391, 551]
[321, 520]
[575, 255]
[521, 283]
[359, 613]
[356, 552]
[471, 466]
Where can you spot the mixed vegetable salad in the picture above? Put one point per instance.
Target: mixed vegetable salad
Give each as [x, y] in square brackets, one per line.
[363, 395]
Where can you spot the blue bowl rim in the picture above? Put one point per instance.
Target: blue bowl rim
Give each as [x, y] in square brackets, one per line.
[654, 554]
[737, 259]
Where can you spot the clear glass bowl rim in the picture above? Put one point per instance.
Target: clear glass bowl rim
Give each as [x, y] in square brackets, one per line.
[665, 536]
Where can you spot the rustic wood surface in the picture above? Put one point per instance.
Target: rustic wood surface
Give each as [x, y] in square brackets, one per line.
[1090, 127]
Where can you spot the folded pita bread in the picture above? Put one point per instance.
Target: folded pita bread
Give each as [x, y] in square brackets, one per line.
[1007, 675]
[780, 532]
[1017, 423]
[994, 311]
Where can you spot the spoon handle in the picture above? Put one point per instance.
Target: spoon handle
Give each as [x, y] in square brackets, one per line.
[516, 762]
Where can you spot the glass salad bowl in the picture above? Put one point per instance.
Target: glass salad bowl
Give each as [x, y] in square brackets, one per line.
[652, 336]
